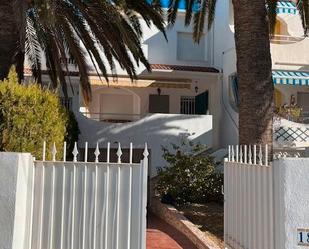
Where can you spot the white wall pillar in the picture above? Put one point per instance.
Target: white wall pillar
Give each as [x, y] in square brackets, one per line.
[291, 199]
[15, 199]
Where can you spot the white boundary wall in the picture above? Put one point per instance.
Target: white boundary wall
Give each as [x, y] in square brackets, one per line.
[15, 199]
[266, 205]
[291, 188]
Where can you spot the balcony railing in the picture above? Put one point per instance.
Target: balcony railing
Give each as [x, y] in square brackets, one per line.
[285, 39]
[289, 133]
[121, 117]
[112, 117]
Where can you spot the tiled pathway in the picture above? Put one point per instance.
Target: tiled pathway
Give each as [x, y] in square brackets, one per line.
[160, 235]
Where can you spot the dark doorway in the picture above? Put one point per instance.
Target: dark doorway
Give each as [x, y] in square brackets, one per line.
[201, 103]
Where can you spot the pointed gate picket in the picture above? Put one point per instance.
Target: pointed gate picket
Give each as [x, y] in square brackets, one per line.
[89, 204]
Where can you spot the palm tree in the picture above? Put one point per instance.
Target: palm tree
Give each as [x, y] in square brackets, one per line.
[254, 21]
[77, 28]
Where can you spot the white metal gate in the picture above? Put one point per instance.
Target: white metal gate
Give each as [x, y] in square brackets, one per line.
[89, 204]
[248, 199]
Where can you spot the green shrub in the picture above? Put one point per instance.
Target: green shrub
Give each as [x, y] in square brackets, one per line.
[28, 116]
[189, 178]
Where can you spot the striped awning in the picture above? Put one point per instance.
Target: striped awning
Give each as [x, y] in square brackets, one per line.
[284, 7]
[141, 83]
[296, 78]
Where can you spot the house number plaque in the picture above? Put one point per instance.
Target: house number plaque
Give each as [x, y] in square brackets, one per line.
[303, 237]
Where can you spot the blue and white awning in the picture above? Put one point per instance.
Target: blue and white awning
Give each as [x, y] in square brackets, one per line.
[296, 78]
[283, 7]
[286, 8]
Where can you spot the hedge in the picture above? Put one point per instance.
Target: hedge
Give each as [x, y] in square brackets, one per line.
[28, 116]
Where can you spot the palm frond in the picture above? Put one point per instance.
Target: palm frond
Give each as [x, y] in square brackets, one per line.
[102, 29]
[78, 54]
[272, 14]
[200, 11]
[172, 11]
[211, 12]
[199, 21]
[33, 49]
[189, 10]
[303, 8]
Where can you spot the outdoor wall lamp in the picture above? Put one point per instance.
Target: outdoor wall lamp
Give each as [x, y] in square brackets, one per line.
[159, 91]
[196, 89]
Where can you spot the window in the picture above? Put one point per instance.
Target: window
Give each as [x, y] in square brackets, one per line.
[159, 103]
[235, 90]
[303, 102]
[66, 103]
[188, 50]
[231, 13]
[187, 105]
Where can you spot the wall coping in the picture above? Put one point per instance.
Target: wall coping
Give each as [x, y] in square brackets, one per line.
[176, 219]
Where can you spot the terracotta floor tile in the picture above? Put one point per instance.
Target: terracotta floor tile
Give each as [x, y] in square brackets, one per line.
[161, 235]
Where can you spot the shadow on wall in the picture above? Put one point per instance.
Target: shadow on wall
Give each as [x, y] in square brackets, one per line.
[156, 129]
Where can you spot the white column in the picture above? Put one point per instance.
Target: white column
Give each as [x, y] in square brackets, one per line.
[16, 181]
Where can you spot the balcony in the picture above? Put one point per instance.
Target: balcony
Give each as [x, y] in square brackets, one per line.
[285, 39]
[156, 129]
[112, 117]
[291, 134]
[290, 55]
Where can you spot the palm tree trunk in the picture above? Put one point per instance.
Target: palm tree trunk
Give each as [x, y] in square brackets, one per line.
[254, 72]
[9, 37]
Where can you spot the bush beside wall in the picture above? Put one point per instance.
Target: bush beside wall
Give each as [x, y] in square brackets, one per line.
[28, 116]
[188, 178]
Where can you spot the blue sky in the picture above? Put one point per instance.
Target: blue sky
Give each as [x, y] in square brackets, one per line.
[165, 4]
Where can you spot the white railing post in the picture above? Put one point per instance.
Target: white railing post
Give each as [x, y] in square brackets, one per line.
[62, 245]
[131, 153]
[240, 154]
[86, 152]
[266, 154]
[64, 151]
[233, 155]
[260, 155]
[75, 152]
[250, 155]
[107, 197]
[119, 153]
[144, 195]
[130, 197]
[108, 153]
[52, 203]
[54, 152]
[85, 199]
[42, 206]
[229, 155]
[254, 154]
[97, 153]
[44, 151]
[246, 154]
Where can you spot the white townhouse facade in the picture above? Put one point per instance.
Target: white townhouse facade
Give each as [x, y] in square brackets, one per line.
[290, 64]
[191, 92]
